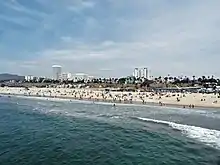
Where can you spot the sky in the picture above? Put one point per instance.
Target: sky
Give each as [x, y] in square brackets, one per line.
[110, 37]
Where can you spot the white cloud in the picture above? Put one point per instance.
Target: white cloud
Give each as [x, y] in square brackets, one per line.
[177, 38]
[22, 21]
[66, 39]
[15, 5]
[92, 58]
[80, 5]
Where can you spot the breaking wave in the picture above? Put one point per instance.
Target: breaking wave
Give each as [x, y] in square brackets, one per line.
[208, 136]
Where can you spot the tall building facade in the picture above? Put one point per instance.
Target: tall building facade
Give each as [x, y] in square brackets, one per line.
[57, 70]
[145, 73]
[136, 73]
[29, 78]
[141, 73]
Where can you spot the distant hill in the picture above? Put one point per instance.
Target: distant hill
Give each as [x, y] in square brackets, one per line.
[6, 76]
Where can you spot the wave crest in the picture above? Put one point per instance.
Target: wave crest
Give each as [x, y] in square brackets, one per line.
[208, 136]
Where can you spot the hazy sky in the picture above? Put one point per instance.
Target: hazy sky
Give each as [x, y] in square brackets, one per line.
[110, 37]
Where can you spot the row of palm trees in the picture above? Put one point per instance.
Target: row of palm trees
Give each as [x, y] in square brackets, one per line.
[132, 80]
[199, 80]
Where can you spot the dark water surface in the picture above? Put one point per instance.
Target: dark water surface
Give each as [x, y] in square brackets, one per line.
[42, 132]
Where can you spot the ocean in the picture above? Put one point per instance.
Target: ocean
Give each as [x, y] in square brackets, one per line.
[44, 132]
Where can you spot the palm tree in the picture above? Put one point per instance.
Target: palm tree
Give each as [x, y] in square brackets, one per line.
[200, 79]
[166, 78]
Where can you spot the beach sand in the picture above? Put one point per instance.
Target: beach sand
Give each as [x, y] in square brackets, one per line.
[162, 99]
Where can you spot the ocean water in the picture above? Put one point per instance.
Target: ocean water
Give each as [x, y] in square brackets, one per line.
[44, 132]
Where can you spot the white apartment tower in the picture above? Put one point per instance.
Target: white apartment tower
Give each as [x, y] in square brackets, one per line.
[57, 70]
[145, 73]
[29, 78]
[136, 73]
[141, 73]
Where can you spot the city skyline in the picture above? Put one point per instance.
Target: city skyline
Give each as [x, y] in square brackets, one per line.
[110, 38]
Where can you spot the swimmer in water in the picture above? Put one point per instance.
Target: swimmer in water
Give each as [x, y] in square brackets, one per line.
[113, 105]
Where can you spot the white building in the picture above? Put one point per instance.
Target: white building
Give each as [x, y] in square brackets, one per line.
[63, 76]
[80, 76]
[141, 73]
[66, 76]
[90, 78]
[136, 73]
[145, 73]
[57, 70]
[29, 78]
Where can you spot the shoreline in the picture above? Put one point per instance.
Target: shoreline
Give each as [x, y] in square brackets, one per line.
[134, 103]
[165, 99]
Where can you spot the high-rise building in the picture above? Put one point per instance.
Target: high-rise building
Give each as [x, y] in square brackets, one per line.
[136, 73]
[141, 73]
[145, 73]
[29, 78]
[57, 70]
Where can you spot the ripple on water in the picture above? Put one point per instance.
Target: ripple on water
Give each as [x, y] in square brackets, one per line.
[93, 134]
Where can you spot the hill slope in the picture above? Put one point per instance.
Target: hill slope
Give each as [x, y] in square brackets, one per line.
[7, 76]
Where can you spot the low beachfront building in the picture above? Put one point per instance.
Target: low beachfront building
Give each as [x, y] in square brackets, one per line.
[29, 78]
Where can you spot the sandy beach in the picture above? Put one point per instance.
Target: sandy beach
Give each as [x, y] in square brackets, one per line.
[185, 100]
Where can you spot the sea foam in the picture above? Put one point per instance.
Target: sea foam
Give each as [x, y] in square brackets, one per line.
[208, 136]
